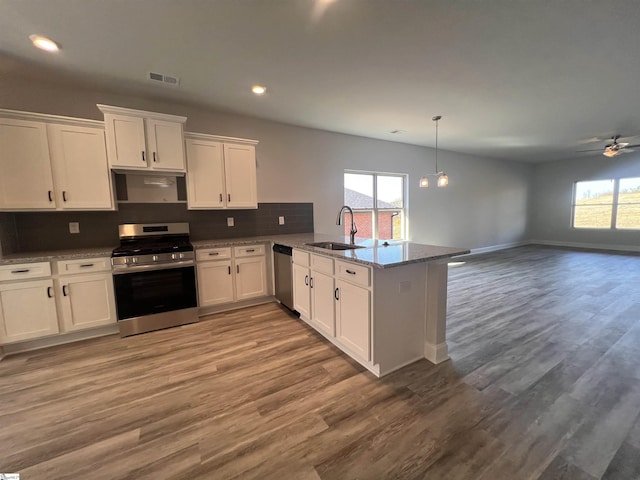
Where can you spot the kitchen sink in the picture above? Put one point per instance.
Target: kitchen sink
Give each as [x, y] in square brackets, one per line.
[334, 245]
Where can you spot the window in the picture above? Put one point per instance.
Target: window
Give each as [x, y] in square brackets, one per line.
[378, 203]
[607, 204]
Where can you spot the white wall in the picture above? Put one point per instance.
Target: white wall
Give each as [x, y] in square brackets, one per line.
[552, 197]
[485, 204]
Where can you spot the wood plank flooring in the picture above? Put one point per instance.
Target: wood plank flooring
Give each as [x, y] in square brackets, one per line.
[544, 383]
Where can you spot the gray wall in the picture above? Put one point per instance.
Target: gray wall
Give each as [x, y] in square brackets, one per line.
[485, 204]
[552, 197]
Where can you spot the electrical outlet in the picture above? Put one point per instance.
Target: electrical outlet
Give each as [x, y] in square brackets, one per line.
[281, 220]
[74, 227]
[230, 222]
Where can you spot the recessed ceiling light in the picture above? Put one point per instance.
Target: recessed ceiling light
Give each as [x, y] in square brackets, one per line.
[44, 43]
[258, 89]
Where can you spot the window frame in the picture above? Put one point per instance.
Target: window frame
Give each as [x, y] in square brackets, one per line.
[615, 203]
[374, 211]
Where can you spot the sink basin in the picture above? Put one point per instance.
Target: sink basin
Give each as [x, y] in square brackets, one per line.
[334, 245]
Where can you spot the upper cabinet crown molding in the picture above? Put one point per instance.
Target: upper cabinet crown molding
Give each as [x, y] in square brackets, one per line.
[140, 113]
[220, 138]
[47, 118]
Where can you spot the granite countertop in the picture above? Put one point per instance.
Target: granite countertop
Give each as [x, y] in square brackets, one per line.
[377, 254]
[374, 253]
[47, 256]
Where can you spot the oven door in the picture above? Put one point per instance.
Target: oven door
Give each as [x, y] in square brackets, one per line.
[147, 292]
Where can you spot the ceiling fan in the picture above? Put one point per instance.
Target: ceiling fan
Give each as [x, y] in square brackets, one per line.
[614, 147]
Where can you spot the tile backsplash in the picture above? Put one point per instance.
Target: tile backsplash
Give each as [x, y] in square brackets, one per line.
[37, 231]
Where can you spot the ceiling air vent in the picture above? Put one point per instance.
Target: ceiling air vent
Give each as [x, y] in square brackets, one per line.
[167, 79]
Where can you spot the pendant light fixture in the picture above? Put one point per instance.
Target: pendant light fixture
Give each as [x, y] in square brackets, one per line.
[443, 180]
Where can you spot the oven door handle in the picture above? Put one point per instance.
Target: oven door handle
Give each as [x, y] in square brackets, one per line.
[147, 268]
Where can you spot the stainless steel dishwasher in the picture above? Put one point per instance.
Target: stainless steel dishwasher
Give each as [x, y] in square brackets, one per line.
[283, 275]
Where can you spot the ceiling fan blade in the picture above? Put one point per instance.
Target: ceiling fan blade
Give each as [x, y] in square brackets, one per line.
[592, 150]
[632, 146]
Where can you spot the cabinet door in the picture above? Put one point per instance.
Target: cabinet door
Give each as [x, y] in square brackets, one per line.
[301, 293]
[322, 302]
[205, 174]
[25, 169]
[353, 318]
[80, 169]
[240, 174]
[125, 141]
[251, 277]
[86, 301]
[215, 283]
[27, 310]
[166, 145]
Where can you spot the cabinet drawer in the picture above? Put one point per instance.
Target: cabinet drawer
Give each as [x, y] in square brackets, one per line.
[22, 271]
[222, 253]
[84, 265]
[350, 272]
[322, 264]
[248, 251]
[300, 258]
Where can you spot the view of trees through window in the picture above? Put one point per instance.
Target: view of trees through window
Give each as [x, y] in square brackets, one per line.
[378, 203]
[612, 203]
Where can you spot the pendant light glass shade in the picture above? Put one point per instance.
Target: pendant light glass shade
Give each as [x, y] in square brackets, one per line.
[443, 180]
[424, 182]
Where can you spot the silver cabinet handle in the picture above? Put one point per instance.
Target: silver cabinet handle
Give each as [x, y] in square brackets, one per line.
[49, 292]
[311, 282]
[336, 294]
[20, 271]
[64, 291]
[351, 272]
[306, 279]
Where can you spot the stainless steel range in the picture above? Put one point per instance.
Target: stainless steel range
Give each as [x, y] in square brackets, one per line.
[154, 277]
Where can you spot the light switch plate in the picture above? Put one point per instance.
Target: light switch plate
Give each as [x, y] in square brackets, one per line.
[230, 222]
[74, 227]
[281, 220]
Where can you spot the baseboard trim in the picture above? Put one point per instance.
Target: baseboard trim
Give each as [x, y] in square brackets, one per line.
[436, 353]
[495, 248]
[588, 246]
[227, 307]
[60, 339]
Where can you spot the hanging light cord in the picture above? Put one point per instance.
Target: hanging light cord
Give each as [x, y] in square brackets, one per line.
[435, 119]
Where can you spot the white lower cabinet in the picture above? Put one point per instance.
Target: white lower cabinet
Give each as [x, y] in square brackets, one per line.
[301, 291]
[86, 301]
[27, 310]
[227, 275]
[353, 318]
[322, 307]
[33, 304]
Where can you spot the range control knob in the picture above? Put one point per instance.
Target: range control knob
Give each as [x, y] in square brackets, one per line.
[134, 259]
[154, 258]
[125, 260]
[174, 256]
[182, 255]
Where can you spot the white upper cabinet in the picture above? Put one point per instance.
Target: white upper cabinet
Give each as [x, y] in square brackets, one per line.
[53, 163]
[80, 170]
[139, 140]
[221, 172]
[25, 169]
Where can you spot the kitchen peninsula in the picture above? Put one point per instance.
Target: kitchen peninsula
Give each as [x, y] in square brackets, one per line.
[383, 303]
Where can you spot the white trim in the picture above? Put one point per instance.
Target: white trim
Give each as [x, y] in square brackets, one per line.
[436, 353]
[591, 246]
[45, 117]
[60, 339]
[140, 113]
[219, 138]
[495, 248]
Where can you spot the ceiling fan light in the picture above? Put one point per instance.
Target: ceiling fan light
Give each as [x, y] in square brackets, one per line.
[609, 152]
[443, 180]
[424, 182]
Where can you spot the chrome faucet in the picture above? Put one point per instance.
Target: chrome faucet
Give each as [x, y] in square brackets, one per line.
[354, 230]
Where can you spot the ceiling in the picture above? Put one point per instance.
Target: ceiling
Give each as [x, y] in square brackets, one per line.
[524, 80]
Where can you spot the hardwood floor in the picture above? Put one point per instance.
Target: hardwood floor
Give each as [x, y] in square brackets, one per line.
[544, 383]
